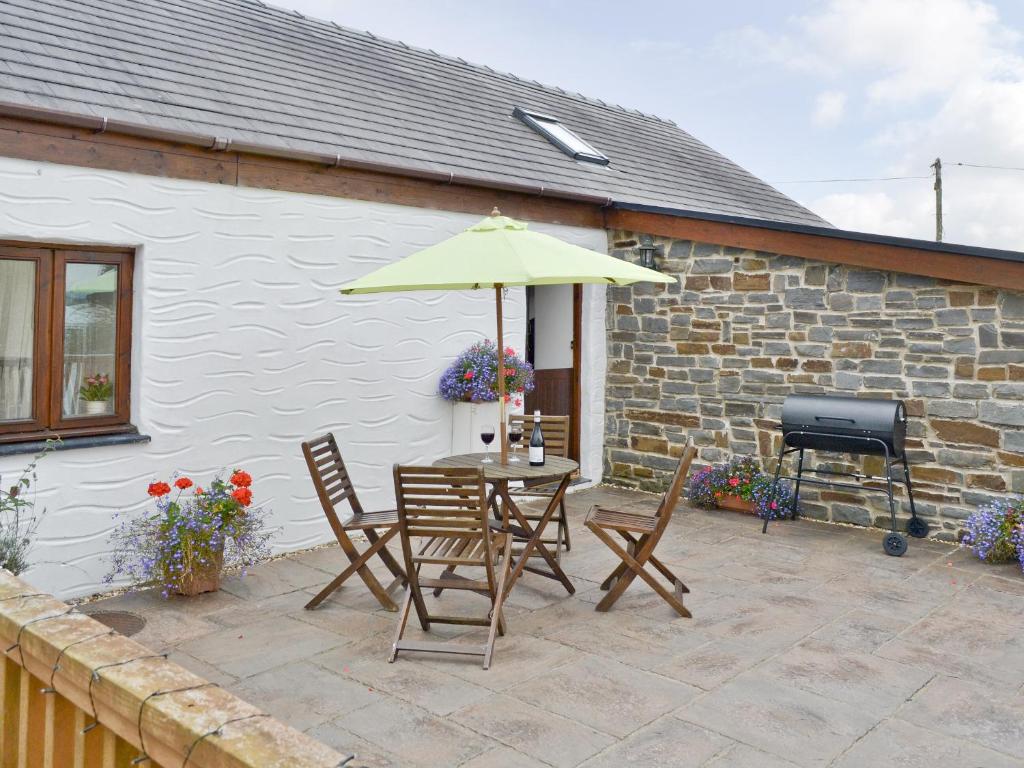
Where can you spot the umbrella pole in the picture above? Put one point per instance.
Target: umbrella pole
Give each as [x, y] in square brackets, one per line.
[501, 376]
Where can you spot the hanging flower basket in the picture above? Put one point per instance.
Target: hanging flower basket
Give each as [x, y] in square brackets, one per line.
[473, 377]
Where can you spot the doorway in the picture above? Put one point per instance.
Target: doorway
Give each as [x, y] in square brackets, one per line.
[553, 330]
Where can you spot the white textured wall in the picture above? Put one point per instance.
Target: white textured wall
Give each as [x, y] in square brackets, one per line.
[243, 347]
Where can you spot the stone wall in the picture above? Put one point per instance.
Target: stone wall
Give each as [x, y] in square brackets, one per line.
[713, 357]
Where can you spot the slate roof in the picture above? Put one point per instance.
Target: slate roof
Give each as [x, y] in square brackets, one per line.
[249, 72]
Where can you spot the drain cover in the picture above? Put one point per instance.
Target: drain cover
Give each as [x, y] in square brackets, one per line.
[126, 623]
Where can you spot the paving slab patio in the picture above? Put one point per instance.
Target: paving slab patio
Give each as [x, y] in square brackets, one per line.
[807, 647]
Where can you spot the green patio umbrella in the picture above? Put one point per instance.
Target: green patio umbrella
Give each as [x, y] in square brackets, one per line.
[498, 253]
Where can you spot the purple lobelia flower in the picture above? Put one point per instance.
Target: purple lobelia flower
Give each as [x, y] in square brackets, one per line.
[473, 377]
[741, 476]
[995, 531]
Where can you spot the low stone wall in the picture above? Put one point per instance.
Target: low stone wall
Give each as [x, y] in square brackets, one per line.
[714, 356]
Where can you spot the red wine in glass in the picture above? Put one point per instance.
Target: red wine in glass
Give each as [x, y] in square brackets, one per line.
[515, 434]
[487, 436]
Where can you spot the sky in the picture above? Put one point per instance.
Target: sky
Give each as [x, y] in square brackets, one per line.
[795, 91]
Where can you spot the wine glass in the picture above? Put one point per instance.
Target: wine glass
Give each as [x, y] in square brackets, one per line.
[487, 435]
[515, 434]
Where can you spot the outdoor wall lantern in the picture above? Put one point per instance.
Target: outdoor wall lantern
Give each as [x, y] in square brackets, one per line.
[647, 250]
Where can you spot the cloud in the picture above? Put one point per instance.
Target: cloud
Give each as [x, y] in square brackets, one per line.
[872, 212]
[937, 78]
[829, 108]
[652, 47]
[914, 48]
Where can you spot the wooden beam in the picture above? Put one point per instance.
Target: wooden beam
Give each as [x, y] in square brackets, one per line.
[310, 178]
[50, 143]
[963, 268]
[76, 146]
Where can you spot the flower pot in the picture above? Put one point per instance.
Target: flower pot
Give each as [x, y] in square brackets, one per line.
[203, 579]
[736, 504]
[95, 407]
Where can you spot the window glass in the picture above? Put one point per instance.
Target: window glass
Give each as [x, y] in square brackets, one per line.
[90, 335]
[567, 137]
[17, 328]
[561, 136]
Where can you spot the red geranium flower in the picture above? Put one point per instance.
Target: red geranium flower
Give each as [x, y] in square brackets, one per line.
[509, 351]
[159, 489]
[200, 491]
[182, 483]
[775, 505]
[468, 375]
[734, 481]
[243, 496]
[241, 479]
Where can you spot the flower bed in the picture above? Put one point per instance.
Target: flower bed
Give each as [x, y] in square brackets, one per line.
[995, 531]
[740, 485]
[473, 377]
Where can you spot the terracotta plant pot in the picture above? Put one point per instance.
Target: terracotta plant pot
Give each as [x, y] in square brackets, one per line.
[736, 504]
[205, 579]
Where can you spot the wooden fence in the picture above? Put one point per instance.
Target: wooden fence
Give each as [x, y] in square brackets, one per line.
[76, 695]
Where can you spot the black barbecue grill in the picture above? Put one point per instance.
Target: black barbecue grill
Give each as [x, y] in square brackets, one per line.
[856, 426]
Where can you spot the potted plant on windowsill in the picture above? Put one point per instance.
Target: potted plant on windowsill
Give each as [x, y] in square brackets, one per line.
[471, 385]
[97, 393]
[740, 486]
[194, 534]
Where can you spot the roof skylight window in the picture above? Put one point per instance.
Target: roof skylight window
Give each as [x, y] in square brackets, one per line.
[567, 141]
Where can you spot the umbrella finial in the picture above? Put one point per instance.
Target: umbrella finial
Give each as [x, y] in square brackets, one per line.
[495, 211]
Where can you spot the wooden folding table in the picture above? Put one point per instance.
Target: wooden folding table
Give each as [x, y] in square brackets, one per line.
[498, 476]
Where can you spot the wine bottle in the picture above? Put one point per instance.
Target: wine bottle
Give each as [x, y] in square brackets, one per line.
[536, 443]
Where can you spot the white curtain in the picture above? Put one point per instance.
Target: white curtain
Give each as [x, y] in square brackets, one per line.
[17, 325]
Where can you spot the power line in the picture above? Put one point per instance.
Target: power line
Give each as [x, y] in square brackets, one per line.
[994, 167]
[844, 181]
[898, 178]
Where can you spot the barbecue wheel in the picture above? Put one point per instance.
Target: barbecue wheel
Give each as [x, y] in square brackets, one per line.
[894, 545]
[917, 527]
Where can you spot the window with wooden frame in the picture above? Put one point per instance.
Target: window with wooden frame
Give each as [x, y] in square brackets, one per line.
[65, 341]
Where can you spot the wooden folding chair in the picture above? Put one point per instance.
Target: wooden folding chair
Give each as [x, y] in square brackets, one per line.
[641, 533]
[446, 511]
[556, 443]
[333, 486]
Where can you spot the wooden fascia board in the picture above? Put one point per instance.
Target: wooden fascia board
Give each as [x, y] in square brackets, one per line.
[70, 145]
[957, 267]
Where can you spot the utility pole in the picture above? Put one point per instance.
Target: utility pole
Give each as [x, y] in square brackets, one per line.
[937, 165]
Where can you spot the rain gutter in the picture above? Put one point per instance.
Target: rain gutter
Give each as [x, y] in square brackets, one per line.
[224, 144]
